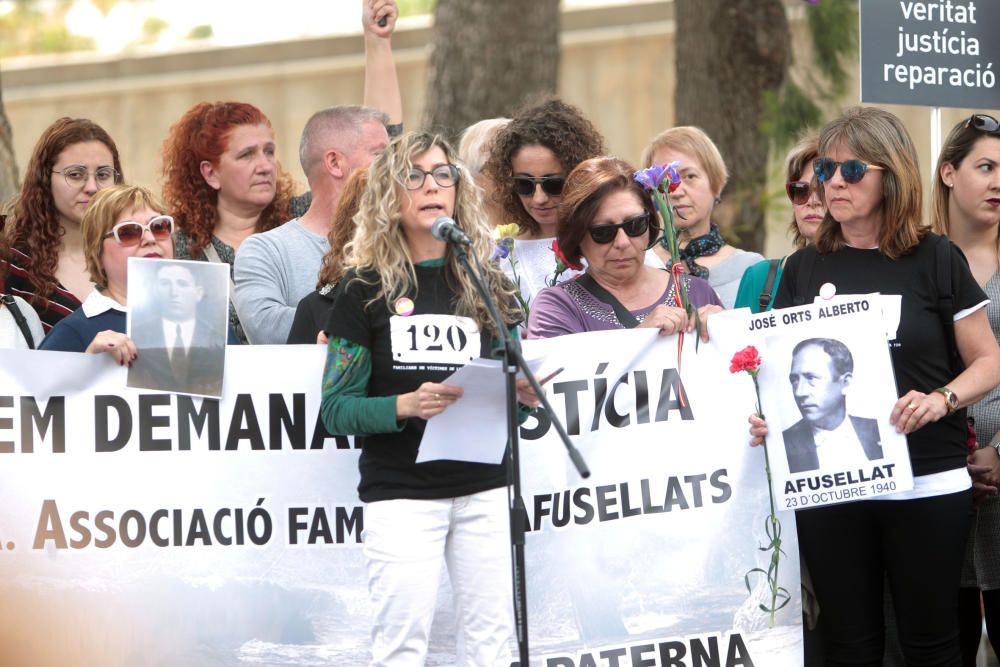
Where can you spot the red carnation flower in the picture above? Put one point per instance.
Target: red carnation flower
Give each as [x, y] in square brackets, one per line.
[562, 257]
[747, 359]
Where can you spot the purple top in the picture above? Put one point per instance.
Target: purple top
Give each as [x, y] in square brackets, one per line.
[569, 308]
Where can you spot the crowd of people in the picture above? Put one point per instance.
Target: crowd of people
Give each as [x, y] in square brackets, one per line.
[340, 266]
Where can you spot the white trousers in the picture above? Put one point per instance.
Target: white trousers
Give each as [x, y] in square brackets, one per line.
[406, 542]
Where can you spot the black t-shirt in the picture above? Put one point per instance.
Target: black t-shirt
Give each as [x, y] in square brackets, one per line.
[310, 316]
[412, 341]
[921, 357]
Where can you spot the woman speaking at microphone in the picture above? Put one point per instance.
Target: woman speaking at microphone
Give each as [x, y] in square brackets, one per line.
[405, 316]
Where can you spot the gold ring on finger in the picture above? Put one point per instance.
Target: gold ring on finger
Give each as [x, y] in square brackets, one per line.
[911, 406]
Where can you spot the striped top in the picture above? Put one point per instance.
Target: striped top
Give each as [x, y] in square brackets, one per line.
[57, 305]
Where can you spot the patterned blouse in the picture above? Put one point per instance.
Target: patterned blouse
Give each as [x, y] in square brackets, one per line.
[50, 308]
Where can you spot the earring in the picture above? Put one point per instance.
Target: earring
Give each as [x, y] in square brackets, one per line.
[947, 185]
[717, 201]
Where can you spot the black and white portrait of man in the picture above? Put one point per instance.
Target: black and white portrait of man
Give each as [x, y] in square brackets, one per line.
[179, 329]
[820, 375]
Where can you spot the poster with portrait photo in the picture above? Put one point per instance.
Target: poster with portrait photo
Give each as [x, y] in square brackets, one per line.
[178, 319]
[827, 390]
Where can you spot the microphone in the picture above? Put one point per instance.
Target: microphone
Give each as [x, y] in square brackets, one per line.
[447, 230]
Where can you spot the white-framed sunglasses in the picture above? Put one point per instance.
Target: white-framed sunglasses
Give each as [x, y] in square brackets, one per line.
[129, 232]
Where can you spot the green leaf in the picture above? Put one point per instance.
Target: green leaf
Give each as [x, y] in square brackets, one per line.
[833, 27]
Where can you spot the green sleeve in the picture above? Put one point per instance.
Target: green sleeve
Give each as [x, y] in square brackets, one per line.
[347, 409]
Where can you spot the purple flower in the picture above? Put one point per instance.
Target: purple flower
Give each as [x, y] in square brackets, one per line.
[650, 177]
[502, 249]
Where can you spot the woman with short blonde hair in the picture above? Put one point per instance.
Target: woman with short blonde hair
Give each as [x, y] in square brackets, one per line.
[703, 250]
[122, 221]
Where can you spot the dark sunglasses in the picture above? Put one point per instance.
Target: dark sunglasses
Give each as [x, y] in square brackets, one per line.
[798, 191]
[983, 123]
[636, 225]
[129, 233]
[551, 185]
[852, 171]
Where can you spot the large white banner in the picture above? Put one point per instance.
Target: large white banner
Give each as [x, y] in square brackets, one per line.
[647, 561]
[147, 528]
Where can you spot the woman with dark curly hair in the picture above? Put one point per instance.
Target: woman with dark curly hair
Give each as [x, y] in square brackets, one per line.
[73, 159]
[223, 182]
[529, 162]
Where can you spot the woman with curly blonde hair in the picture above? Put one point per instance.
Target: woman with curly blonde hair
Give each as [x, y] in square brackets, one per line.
[73, 159]
[223, 182]
[405, 316]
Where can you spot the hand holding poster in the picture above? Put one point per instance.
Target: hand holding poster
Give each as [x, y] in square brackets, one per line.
[827, 390]
[630, 569]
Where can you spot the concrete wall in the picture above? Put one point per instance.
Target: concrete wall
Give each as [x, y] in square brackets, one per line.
[617, 65]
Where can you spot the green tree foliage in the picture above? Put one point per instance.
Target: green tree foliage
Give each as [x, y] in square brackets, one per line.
[833, 32]
[416, 7]
[26, 29]
[201, 32]
[152, 27]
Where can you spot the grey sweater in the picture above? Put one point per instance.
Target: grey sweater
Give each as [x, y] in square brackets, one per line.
[273, 271]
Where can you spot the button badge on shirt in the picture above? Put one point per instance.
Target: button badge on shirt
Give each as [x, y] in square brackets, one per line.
[403, 306]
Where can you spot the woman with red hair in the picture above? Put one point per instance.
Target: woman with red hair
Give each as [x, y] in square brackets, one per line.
[73, 159]
[222, 182]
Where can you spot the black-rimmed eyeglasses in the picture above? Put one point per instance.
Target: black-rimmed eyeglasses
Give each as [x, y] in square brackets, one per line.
[445, 175]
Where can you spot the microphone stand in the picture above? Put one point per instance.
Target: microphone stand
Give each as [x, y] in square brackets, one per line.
[512, 361]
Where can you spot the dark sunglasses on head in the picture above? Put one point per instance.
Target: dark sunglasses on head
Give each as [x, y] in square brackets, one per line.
[983, 123]
[852, 171]
[798, 191]
[635, 225]
[551, 185]
[129, 233]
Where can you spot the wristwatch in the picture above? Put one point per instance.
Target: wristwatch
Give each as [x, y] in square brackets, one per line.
[950, 399]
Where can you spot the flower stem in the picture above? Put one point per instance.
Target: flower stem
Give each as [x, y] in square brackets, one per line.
[775, 546]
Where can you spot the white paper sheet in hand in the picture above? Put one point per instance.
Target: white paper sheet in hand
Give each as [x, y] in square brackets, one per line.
[474, 429]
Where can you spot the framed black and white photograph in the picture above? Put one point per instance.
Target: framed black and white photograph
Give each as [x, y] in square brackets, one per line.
[178, 319]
